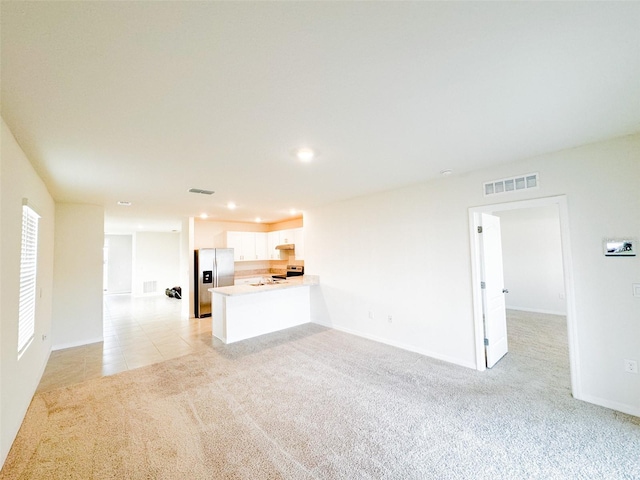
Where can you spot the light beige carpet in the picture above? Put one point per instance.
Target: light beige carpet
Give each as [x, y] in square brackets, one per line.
[310, 402]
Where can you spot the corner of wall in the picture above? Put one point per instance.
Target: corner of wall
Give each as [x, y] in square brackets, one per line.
[78, 275]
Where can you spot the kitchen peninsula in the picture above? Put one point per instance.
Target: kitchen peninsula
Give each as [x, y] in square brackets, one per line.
[245, 311]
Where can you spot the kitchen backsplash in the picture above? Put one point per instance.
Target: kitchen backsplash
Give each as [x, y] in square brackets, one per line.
[265, 267]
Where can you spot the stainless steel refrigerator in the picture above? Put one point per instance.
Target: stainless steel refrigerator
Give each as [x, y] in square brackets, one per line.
[214, 267]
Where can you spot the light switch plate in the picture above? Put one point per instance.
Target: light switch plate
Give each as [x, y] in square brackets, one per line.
[636, 289]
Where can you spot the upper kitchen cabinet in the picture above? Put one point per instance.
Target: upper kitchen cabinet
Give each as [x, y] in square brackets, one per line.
[248, 246]
[234, 240]
[261, 246]
[286, 236]
[281, 237]
[273, 240]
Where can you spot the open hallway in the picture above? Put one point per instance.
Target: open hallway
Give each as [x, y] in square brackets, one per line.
[137, 332]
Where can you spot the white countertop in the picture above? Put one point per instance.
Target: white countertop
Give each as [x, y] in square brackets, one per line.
[291, 282]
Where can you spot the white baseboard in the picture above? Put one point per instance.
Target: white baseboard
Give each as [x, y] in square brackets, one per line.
[400, 345]
[537, 310]
[620, 407]
[77, 344]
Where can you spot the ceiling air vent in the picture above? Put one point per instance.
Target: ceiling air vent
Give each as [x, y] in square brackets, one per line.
[203, 192]
[513, 184]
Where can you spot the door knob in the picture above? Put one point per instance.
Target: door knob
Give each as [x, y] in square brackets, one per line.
[504, 290]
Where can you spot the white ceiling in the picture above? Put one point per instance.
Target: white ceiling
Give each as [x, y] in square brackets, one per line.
[141, 101]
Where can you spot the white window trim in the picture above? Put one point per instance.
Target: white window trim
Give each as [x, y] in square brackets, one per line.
[28, 277]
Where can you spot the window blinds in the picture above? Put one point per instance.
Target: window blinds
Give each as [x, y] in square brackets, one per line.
[28, 269]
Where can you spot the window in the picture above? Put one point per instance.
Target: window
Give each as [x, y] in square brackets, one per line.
[28, 269]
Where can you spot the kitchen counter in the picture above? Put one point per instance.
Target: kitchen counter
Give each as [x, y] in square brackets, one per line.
[291, 282]
[239, 312]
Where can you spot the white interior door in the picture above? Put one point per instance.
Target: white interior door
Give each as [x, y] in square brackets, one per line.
[493, 291]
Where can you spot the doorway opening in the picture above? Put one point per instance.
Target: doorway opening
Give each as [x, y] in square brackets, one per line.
[477, 257]
[118, 260]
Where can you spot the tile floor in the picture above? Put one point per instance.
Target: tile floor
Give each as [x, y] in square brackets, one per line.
[137, 332]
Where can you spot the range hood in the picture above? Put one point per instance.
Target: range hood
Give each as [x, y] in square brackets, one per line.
[286, 246]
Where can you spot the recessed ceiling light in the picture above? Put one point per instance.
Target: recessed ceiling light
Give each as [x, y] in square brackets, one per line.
[204, 215]
[446, 173]
[124, 203]
[293, 211]
[305, 154]
[258, 219]
[231, 206]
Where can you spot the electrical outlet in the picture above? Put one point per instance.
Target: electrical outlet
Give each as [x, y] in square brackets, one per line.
[390, 319]
[631, 366]
[371, 317]
[44, 337]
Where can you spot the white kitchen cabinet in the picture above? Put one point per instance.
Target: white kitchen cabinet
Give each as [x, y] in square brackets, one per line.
[261, 246]
[286, 236]
[280, 237]
[234, 240]
[248, 246]
[273, 240]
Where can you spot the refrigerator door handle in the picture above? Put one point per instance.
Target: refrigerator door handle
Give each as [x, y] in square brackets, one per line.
[215, 273]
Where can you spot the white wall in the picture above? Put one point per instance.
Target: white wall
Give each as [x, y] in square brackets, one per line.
[78, 276]
[186, 266]
[406, 253]
[19, 378]
[400, 253]
[156, 258]
[532, 259]
[120, 263]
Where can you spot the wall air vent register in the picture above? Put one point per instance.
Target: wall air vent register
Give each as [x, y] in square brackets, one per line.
[202, 191]
[149, 286]
[513, 184]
